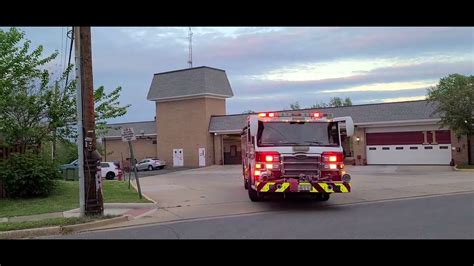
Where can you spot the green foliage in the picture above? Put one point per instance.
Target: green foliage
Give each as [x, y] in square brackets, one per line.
[23, 85]
[29, 175]
[66, 151]
[248, 112]
[107, 106]
[334, 102]
[454, 102]
[295, 106]
[33, 107]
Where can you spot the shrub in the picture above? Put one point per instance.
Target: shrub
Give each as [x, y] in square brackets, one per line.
[29, 175]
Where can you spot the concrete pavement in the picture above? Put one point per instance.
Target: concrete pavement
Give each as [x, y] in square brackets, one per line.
[218, 190]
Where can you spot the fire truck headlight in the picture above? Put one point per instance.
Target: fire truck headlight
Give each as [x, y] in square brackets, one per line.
[346, 178]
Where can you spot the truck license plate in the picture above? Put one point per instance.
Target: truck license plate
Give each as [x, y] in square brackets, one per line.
[304, 187]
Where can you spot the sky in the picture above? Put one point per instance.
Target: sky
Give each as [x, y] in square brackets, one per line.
[271, 67]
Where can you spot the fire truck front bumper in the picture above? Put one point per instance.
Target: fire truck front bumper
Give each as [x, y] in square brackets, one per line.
[296, 186]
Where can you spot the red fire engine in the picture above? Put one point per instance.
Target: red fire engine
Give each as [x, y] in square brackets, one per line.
[294, 152]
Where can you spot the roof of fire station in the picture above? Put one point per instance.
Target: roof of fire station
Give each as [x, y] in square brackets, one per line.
[188, 83]
[378, 113]
[143, 128]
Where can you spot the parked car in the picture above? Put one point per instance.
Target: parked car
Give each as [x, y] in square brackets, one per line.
[110, 170]
[150, 164]
[72, 165]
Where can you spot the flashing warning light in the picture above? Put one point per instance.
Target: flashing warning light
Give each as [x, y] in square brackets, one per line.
[269, 166]
[333, 158]
[269, 158]
[258, 165]
[332, 166]
[267, 115]
[256, 173]
[317, 115]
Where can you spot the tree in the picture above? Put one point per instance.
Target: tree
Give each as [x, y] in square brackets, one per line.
[33, 108]
[23, 88]
[295, 106]
[334, 102]
[453, 99]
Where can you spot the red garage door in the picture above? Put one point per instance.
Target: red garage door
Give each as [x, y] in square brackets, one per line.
[412, 147]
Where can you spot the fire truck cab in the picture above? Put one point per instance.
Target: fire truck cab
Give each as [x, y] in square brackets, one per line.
[294, 152]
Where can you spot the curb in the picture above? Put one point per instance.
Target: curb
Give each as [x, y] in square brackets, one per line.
[79, 227]
[130, 205]
[143, 194]
[33, 232]
[59, 230]
[463, 170]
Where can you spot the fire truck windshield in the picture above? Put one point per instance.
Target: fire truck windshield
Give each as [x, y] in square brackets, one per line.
[298, 134]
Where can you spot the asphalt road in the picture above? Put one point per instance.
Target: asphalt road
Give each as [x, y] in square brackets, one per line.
[436, 217]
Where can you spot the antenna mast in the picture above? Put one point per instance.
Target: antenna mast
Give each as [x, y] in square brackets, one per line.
[190, 59]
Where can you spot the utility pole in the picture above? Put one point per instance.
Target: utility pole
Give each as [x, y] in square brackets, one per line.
[89, 159]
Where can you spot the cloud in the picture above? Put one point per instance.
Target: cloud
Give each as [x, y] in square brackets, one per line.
[270, 67]
[382, 87]
[399, 99]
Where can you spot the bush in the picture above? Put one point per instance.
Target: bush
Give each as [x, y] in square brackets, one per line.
[29, 175]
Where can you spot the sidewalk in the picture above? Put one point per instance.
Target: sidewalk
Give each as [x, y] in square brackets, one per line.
[132, 210]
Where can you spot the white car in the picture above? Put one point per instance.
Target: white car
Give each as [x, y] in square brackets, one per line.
[109, 170]
[150, 164]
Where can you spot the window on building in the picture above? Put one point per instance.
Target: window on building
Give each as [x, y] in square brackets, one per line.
[372, 149]
[429, 148]
[385, 148]
[413, 148]
[399, 148]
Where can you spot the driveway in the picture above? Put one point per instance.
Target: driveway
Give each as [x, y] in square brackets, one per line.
[218, 190]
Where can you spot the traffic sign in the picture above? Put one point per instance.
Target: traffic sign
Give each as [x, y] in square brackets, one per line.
[128, 134]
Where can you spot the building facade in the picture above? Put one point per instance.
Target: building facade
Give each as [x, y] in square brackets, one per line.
[193, 130]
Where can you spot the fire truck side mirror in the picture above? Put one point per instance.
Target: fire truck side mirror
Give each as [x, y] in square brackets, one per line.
[253, 125]
[349, 124]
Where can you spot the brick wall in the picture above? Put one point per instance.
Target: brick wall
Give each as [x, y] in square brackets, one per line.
[359, 147]
[184, 124]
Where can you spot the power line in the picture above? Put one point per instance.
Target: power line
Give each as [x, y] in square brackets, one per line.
[62, 54]
[65, 50]
[70, 52]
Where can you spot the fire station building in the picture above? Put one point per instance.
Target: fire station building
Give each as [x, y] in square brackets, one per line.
[192, 128]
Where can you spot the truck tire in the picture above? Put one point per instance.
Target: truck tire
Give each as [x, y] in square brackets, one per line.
[253, 194]
[246, 184]
[324, 197]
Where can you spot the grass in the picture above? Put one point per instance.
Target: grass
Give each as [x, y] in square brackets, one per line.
[48, 222]
[465, 166]
[66, 197]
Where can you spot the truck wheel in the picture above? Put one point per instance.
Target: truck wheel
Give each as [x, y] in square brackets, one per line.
[246, 184]
[253, 194]
[324, 197]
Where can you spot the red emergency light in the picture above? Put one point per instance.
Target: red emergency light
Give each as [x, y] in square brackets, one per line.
[267, 114]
